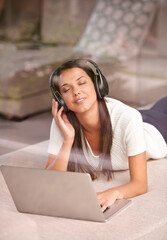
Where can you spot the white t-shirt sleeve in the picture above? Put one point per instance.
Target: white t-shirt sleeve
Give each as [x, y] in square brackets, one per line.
[56, 139]
[134, 135]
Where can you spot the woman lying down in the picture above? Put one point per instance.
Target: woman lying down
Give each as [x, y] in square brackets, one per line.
[95, 134]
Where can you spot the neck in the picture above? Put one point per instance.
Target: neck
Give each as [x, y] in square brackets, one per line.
[90, 120]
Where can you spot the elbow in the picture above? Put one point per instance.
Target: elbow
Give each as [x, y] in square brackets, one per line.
[47, 167]
[142, 188]
[139, 187]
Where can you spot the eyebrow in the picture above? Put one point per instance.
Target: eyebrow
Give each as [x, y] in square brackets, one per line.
[65, 84]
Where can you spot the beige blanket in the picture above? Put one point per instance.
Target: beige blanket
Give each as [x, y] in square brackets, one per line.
[145, 218]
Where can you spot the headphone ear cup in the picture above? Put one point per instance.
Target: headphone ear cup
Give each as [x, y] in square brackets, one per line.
[96, 84]
[59, 99]
[104, 89]
[100, 82]
[101, 85]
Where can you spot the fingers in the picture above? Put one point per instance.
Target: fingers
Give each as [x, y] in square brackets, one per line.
[102, 201]
[104, 207]
[60, 111]
[62, 122]
[105, 199]
[54, 108]
[56, 113]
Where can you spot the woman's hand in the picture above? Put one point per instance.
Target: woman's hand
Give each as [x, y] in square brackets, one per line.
[107, 198]
[63, 122]
[136, 186]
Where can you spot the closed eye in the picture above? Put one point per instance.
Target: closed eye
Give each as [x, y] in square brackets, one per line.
[82, 83]
[67, 87]
[65, 90]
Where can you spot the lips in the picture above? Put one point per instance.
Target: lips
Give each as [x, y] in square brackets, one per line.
[80, 100]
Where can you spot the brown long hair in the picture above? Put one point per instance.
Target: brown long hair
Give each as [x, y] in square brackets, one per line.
[77, 160]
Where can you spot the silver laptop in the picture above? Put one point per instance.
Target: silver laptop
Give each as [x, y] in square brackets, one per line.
[57, 193]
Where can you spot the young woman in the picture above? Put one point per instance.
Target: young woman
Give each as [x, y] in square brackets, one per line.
[95, 134]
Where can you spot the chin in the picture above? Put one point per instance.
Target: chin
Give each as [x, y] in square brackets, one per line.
[79, 109]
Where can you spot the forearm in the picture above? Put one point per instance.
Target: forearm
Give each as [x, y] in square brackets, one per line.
[136, 186]
[131, 189]
[60, 162]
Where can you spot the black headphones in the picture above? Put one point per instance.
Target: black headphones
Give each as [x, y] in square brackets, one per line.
[100, 82]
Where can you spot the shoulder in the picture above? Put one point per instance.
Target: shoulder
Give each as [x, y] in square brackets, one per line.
[114, 104]
[121, 111]
[127, 125]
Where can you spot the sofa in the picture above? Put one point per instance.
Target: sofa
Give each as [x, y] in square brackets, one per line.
[145, 218]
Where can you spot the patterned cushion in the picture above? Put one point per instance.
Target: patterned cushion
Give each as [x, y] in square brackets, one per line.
[117, 28]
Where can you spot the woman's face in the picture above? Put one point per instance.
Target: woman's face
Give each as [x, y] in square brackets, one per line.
[77, 90]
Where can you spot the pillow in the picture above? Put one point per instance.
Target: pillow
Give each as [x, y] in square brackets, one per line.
[117, 28]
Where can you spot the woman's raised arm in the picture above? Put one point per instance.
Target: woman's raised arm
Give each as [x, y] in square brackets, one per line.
[60, 162]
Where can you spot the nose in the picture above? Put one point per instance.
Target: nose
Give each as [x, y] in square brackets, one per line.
[76, 91]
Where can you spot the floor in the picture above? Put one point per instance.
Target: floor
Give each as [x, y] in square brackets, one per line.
[16, 135]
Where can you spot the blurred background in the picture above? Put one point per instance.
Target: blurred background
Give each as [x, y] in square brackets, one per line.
[126, 38]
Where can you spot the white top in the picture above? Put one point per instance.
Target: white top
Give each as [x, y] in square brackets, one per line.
[131, 136]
